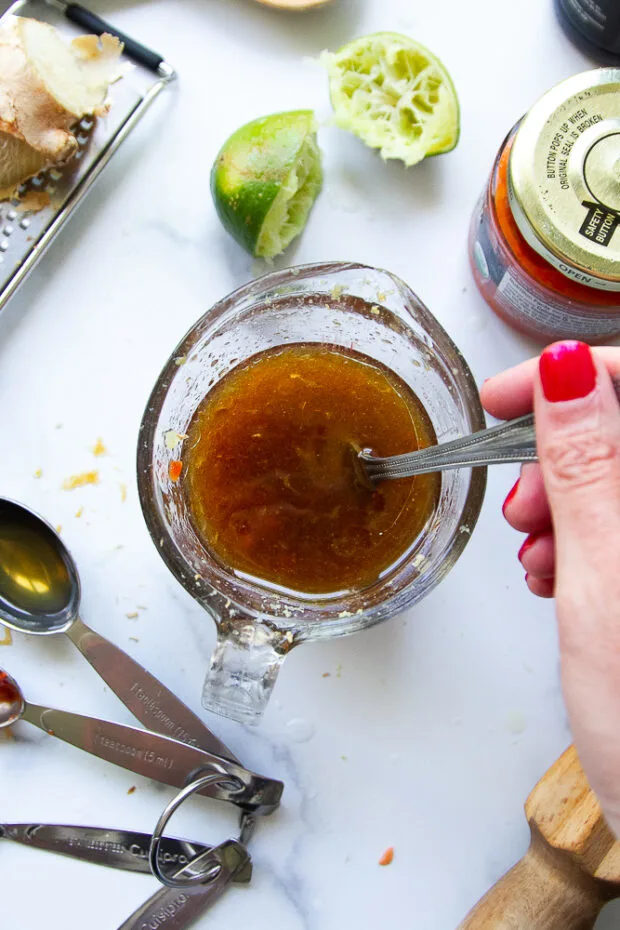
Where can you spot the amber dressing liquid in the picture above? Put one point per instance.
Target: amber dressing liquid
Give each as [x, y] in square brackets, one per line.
[271, 481]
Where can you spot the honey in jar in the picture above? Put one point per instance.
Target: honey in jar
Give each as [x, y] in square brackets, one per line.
[271, 477]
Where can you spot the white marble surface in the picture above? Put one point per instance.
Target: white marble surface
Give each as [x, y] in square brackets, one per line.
[430, 731]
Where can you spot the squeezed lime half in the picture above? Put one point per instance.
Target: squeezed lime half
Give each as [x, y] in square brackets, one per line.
[265, 180]
[395, 95]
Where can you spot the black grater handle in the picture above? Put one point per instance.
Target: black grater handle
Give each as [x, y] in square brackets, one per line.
[93, 23]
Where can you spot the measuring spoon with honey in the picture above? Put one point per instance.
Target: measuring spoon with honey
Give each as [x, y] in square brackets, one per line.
[40, 594]
[152, 755]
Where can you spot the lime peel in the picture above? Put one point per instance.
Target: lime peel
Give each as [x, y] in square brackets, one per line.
[395, 95]
[265, 180]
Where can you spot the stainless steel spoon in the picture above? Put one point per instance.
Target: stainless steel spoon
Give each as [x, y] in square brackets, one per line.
[117, 849]
[158, 757]
[512, 441]
[40, 594]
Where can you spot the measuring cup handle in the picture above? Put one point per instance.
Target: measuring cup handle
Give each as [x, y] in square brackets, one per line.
[244, 667]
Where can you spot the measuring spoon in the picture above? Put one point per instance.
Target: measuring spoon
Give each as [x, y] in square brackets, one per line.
[179, 907]
[40, 594]
[159, 757]
[117, 849]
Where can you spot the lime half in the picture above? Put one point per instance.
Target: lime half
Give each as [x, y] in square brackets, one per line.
[395, 96]
[265, 180]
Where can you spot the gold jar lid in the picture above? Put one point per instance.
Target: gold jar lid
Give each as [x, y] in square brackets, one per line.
[564, 178]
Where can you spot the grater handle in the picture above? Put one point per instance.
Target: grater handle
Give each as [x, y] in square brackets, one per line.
[544, 891]
[93, 23]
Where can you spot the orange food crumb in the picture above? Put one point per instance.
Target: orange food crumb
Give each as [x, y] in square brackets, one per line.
[78, 481]
[99, 448]
[387, 857]
[131, 790]
[174, 469]
[7, 639]
[79, 512]
[326, 674]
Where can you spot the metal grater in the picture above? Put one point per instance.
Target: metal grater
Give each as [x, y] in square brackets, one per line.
[26, 228]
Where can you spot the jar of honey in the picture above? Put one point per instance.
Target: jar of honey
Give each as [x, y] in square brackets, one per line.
[544, 241]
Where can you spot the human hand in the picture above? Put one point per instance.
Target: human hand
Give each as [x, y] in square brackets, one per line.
[569, 505]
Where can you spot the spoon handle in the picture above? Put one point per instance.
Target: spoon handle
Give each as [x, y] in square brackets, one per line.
[180, 907]
[512, 441]
[117, 849]
[148, 699]
[158, 757]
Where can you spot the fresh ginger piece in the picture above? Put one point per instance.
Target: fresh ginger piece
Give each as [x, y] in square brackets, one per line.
[46, 86]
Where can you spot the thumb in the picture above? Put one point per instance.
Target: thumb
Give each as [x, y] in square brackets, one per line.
[578, 438]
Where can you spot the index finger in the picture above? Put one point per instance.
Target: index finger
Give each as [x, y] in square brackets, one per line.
[511, 393]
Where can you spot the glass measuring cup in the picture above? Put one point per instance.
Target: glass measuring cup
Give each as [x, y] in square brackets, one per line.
[342, 304]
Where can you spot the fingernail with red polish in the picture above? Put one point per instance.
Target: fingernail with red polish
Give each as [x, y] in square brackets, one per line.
[567, 371]
[510, 495]
[529, 542]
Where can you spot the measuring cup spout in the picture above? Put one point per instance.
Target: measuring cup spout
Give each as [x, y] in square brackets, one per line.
[244, 667]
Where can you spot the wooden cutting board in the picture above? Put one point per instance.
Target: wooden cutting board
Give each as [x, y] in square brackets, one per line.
[571, 869]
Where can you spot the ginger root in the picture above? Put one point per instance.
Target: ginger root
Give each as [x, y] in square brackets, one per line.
[46, 86]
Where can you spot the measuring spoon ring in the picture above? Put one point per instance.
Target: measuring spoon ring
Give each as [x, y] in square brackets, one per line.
[181, 907]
